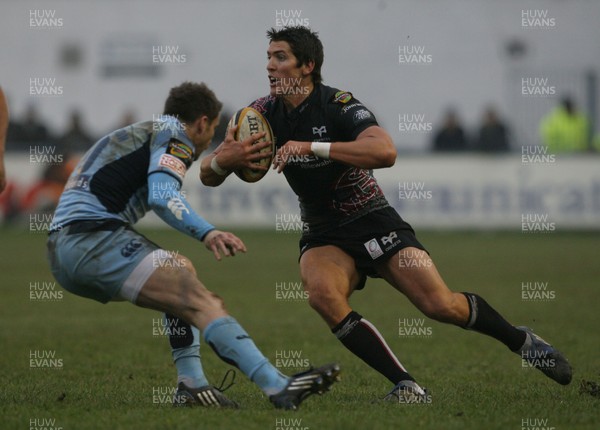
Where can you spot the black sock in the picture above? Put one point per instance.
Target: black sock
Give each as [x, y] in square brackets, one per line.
[484, 319]
[362, 338]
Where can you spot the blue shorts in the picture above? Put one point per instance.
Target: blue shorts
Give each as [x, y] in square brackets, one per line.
[107, 261]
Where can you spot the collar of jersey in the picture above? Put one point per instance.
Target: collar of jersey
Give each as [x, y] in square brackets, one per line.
[299, 110]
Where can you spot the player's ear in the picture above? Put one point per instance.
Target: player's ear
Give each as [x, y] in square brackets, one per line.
[201, 124]
[308, 67]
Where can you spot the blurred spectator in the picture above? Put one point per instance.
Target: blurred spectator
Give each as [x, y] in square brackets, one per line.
[565, 129]
[127, 118]
[42, 197]
[16, 203]
[493, 134]
[451, 137]
[3, 129]
[76, 138]
[31, 130]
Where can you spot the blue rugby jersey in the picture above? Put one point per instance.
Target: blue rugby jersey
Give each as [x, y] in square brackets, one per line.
[131, 171]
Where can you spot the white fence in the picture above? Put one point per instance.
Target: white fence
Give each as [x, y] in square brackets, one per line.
[462, 191]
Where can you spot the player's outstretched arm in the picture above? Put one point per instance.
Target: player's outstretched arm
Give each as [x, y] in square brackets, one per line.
[372, 149]
[175, 210]
[232, 155]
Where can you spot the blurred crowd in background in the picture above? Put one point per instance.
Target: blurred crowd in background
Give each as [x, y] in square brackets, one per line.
[565, 129]
[28, 134]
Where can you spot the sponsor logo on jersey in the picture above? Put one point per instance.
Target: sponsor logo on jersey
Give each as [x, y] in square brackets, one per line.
[361, 115]
[350, 106]
[177, 208]
[180, 150]
[373, 248]
[173, 164]
[132, 247]
[81, 182]
[319, 130]
[342, 97]
[346, 328]
[389, 238]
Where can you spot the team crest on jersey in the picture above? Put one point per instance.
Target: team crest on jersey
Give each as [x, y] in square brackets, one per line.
[180, 150]
[319, 130]
[342, 97]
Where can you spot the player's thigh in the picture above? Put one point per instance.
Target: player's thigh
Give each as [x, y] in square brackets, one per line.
[329, 276]
[412, 272]
[98, 264]
[124, 265]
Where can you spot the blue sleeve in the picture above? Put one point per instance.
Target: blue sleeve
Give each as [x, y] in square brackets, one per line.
[166, 199]
[171, 151]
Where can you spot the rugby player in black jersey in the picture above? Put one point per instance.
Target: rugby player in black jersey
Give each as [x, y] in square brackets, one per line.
[327, 144]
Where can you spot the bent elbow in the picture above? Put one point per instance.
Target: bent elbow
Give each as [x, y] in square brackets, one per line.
[388, 157]
[207, 179]
[207, 182]
[157, 202]
[154, 204]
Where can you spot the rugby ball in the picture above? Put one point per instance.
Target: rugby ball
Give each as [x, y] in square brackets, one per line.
[250, 121]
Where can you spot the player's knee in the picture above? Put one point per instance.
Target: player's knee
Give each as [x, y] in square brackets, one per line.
[196, 298]
[204, 299]
[319, 296]
[314, 295]
[186, 264]
[315, 301]
[215, 301]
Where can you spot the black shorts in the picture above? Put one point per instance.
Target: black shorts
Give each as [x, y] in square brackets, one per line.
[370, 240]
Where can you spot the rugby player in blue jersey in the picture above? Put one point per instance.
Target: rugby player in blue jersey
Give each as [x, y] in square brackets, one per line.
[327, 143]
[94, 251]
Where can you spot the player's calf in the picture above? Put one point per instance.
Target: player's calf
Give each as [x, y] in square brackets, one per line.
[448, 308]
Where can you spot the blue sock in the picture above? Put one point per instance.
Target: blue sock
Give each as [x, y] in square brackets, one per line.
[185, 347]
[233, 345]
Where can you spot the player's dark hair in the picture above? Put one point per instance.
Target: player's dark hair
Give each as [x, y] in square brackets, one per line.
[189, 101]
[305, 45]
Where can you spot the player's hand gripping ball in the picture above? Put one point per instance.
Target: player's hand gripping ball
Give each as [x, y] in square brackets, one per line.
[249, 121]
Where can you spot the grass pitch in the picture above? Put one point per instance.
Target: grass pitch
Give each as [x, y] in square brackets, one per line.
[107, 366]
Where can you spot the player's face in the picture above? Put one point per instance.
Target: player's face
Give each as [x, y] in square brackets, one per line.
[286, 78]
